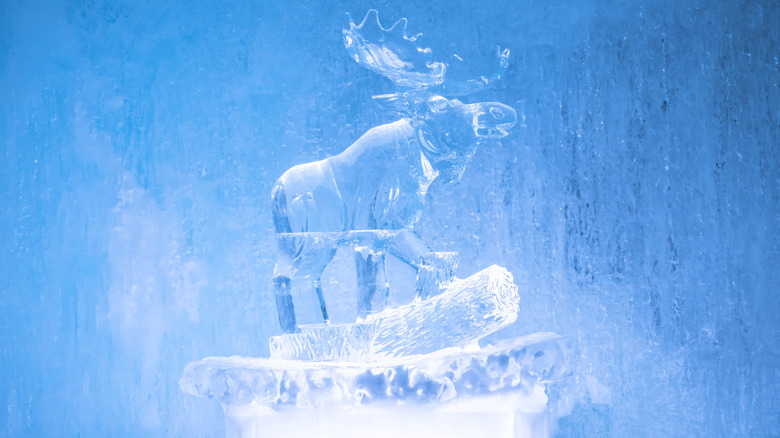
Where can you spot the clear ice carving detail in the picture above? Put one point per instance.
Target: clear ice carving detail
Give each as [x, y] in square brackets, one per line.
[370, 196]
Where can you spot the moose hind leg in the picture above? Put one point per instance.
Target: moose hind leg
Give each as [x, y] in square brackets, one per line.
[307, 293]
[321, 298]
[284, 304]
[316, 262]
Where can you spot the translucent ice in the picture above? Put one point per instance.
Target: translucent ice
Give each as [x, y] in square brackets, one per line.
[518, 364]
[466, 311]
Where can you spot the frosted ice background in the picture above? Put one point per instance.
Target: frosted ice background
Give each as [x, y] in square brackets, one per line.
[638, 208]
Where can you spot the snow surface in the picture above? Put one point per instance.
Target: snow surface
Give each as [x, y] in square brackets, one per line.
[639, 202]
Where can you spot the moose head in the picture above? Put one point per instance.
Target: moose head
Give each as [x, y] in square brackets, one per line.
[451, 131]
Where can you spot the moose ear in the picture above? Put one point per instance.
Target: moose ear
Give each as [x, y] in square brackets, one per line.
[397, 103]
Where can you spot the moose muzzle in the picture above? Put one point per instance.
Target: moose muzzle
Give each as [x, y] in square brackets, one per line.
[493, 119]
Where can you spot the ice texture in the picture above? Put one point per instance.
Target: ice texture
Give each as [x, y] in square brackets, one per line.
[515, 365]
[465, 312]
[636, 200]
[317, 342]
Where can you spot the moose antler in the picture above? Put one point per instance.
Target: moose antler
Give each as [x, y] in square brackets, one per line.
[392, 52]
[399, 57]
[460, 77]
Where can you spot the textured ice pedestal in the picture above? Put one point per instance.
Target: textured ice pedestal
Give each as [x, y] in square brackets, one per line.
[496, 391]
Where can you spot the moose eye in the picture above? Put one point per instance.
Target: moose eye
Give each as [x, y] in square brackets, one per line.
[439, 103]
[497, 113]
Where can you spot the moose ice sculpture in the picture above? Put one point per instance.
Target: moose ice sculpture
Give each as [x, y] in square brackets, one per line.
[412, 367]
[371, 195]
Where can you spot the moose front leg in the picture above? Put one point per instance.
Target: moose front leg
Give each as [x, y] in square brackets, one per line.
[284, 304]
[409, 247]
[310, 312]
[434, 269]
[373, 289]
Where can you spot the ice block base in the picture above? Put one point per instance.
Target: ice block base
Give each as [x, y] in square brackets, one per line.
[496, 390]
[496, 416]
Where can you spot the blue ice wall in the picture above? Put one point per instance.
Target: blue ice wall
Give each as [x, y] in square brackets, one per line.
[638, 206]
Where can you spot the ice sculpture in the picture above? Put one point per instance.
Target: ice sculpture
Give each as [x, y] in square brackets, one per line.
[367, 200]
[371, 195]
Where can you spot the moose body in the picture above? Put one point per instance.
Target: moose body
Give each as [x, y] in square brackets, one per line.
[378, 183]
